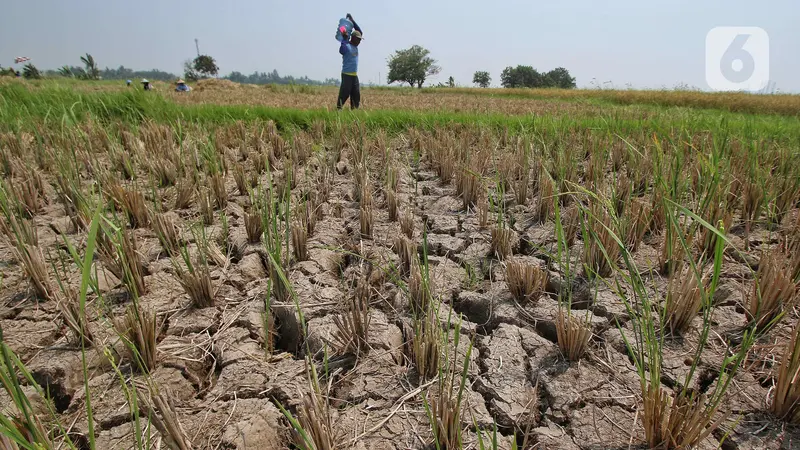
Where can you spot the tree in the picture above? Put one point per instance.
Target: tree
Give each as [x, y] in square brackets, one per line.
[451, 82]
[30, 72]
[205, 66]
[482, 79]
[66, 71]
[560, 78]
[527, 76]
[521, 76]
[188, 71]
[412, 65]
[91, 70]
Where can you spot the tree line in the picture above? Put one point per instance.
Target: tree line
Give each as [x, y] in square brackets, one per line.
[275, 78]
[203, 66]
[414, 65]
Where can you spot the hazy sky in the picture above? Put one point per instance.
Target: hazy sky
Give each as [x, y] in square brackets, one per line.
[648, 44]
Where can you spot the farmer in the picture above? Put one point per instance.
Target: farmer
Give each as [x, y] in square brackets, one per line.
[181, 86]
[146, 85]
[349, 51]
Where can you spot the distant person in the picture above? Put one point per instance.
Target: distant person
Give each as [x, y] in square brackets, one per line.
[18, 74]
[127, 82]
[349, 51]
[146, 85]
[181, 86]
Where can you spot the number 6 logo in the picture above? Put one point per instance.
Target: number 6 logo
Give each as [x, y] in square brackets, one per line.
[737, 59]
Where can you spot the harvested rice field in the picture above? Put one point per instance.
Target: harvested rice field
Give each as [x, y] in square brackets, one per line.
[438, 271]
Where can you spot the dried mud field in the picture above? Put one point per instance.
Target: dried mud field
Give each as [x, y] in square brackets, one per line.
[369, 286]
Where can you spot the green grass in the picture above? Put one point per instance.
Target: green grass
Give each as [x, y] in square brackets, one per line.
[57, 105]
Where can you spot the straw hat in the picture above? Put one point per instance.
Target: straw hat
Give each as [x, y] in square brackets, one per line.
[180, 81]
[144, 80]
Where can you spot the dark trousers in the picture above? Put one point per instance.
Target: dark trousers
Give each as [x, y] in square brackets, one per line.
[349, 89]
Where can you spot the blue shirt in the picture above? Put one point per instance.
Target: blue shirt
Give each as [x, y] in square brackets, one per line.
[349, 54]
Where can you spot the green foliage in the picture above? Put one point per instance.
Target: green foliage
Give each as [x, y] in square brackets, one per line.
[66, 71]
[30, 72]
[189, 72]
[275, 78]
[520, 76]
[527, 76]
[205, 66]
[412, 65]
[482, 79]
[559, 78]
[91, 72]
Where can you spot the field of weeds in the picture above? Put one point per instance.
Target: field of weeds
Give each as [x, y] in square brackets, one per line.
[198, 275]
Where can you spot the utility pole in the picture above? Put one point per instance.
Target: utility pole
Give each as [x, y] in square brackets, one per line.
[197, 46]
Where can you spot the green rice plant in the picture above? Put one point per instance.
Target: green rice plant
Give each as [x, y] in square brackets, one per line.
[142, 434]
[786, 399]
[314, 428]
[672, 255]
[491, 441]
[276, 212]
[601, 252]
[196, 277]
[682, 418]
[443, 406]
[68, 301]
[25, 430]
[572, 332]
